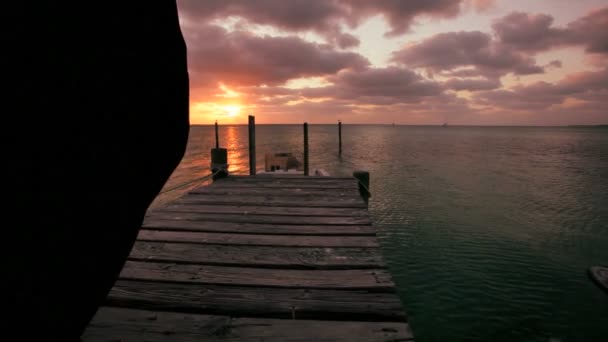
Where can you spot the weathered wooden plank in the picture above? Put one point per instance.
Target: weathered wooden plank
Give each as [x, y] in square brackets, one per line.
[288, 179]
[266, 176]
[257, 239]
[255, 228]
[294, 180]
[275, 192]
[275, 201]
[266, 302]
[264, 210]
[268, 219]
[131, 325]
[259, 256]
[302, 185]
[369, 279]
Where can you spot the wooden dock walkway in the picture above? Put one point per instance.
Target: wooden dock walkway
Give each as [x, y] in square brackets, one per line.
[256, 258]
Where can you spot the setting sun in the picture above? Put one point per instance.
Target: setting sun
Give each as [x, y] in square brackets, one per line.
[231, 110]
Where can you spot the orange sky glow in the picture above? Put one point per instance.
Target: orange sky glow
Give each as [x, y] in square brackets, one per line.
[468, 62]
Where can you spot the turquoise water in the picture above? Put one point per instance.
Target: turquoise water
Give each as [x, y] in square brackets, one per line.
[488, 231]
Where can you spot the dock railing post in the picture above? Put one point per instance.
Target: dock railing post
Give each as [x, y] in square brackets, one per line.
[219, 158]
[306, 170]
[217, 136]
[363, 179]
[252, 145]
[339, 137]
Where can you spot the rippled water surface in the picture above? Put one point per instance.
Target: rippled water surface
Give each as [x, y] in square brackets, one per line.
[488, 231]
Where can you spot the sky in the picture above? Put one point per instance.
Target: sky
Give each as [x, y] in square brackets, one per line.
[419, 62]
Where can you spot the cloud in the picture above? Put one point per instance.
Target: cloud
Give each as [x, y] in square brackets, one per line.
[472, 84]
[592, 31]
[325, 17]
[240, 58]
[346, 40]
[377, 86]
[294, 15]
[590, 87]
[534, 32]
[482, 5]
[470, 49]
[400, 14]
[528, 32]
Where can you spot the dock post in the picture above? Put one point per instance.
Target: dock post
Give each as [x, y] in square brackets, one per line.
[339, 137]
[219, 158]
[363, 179]
[217, 136]
[306, 170]
[252, 145]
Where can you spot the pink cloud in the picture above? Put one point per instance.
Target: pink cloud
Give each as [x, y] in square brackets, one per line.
[324, 16]
[534, 32]
[590, 86]
[377, 86]
[471, 49]
[239, 58]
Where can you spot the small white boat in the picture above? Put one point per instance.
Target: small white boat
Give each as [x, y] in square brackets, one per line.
[286, 164]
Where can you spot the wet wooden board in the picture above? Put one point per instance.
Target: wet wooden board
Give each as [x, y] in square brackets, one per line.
[274, 201]
[215, 190]
[258, 239]
[370, 279]
[263, 210]
[255, 228]
[294, 186]
[131, 325]
[267, 302]
[259, 256]
[287, 258]
[290, 180]
[270, 219]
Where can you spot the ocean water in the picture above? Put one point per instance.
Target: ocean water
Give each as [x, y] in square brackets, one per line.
[488, 231]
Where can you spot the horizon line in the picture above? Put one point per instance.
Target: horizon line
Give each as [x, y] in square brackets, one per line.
[391, 124]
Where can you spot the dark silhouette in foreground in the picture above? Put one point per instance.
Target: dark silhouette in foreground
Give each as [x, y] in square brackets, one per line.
[96, 120]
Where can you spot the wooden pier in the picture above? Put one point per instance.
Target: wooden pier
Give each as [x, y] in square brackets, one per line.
[256, 258]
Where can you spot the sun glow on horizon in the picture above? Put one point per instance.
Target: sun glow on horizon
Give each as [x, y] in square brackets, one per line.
[231, 110]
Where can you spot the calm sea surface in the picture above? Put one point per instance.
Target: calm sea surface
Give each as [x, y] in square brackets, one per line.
[488, 231]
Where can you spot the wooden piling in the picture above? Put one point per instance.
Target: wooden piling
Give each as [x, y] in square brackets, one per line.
[217, 136]
[339, 137]
[306, 169]
[252, 145]
[363, 180]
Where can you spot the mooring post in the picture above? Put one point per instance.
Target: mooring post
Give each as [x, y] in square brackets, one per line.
[339, 137]
[252, 145]
[363, 180]
[219, 158]
[217, 136]
[306, 170]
